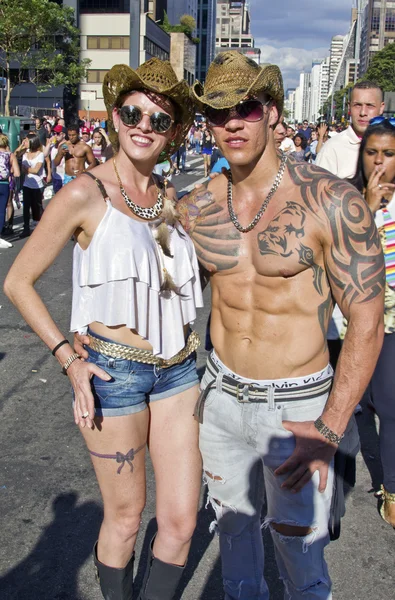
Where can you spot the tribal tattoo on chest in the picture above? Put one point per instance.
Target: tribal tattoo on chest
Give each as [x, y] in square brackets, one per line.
[215, 238]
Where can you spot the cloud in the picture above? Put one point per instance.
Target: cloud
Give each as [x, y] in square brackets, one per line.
[291, 34]
[292, 61]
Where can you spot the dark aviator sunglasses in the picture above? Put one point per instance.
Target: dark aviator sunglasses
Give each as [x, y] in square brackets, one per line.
[132, 115]
[248, 110]
[378, 120]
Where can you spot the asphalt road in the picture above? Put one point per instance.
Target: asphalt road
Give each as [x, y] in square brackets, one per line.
[50, 507]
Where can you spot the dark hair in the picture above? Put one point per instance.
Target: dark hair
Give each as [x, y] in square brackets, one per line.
[384, 128]
[73, 127]
[304, 141]
[103, 141]
[36, 118]
[34, 142]
[368, 85]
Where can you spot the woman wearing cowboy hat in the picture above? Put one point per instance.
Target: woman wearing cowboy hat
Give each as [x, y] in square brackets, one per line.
[135, 291]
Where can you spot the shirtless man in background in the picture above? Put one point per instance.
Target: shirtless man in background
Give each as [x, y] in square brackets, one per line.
[269, 415]
[270, 420]
[76, 153]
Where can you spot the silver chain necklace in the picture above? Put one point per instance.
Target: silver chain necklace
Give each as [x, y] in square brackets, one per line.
[150, 213]
[273, 190]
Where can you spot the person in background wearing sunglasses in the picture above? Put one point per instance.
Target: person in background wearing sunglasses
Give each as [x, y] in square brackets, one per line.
[268, 236]
[76, 154]
[136, 287]
[375, 179]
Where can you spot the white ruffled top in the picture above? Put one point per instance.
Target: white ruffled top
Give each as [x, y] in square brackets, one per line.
[117, 280]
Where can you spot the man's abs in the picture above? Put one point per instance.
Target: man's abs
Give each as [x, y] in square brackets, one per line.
[270, 328]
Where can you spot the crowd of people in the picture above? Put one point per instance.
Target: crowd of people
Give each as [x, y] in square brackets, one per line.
[300, 219]
[51, 154]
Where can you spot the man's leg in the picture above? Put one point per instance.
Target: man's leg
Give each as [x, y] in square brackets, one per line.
[298, 521]
[234, 474]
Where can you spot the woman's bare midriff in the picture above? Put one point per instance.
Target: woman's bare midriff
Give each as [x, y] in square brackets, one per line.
[123, 335]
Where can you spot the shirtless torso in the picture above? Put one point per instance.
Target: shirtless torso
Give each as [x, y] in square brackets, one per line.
[76, 154]
[273, 288]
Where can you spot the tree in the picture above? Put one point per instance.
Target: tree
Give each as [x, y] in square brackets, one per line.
[382, 68]
[40, 38]
[187, 25]
[340, 101]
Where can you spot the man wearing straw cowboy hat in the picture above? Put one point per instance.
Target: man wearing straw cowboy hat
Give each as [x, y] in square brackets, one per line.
[281, 241]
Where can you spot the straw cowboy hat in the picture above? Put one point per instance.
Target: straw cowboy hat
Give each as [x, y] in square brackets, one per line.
[156, 76]
[232, 77]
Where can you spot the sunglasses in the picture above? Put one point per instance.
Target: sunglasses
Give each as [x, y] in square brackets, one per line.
[248, 110]
[378, 120]
[132, 115]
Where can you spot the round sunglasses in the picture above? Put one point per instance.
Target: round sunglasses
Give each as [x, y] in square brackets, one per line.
[378, 120]
[132, 115]
[248, 110]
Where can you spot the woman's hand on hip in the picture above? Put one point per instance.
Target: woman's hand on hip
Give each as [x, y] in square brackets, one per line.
[80, 341]
[80, 374]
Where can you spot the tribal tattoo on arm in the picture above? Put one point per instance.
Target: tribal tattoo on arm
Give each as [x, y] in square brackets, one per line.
[207, 222]
[353, 255]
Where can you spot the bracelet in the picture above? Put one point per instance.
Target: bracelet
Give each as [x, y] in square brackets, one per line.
[54, 351]
[68, 362]
[326, 432]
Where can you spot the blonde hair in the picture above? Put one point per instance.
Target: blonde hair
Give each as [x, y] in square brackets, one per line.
[4, 143]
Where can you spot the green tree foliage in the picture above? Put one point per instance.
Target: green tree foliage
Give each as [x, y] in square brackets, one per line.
[340, 101]
[187, 25]
[382, 68]
[39, 36]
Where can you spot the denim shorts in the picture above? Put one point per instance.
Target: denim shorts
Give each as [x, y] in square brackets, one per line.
[134, 384]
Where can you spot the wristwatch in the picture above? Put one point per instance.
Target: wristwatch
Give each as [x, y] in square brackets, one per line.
[326, 432]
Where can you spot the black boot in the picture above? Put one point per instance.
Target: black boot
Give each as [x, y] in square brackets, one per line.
[161, 579]
[115, 584]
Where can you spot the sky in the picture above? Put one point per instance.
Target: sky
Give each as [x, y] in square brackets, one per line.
[292, 33]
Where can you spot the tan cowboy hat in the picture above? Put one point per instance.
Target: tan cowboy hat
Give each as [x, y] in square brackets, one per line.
[232, 77]
[156, 76]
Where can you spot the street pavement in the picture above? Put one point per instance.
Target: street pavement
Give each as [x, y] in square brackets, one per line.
[50, 507]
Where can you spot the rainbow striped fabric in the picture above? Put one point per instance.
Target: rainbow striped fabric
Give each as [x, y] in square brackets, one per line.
[389, 247]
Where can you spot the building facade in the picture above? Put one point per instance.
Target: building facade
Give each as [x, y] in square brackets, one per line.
[378, 29]
[206, 31]
[335, 55]
[233, 26]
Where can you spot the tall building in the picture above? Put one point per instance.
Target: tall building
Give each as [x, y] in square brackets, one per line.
[206, 31]
[335, 55]
[289, 104]
[233, 28]
[346, 70]
[176, 8]
[113, 32]
[378, 29]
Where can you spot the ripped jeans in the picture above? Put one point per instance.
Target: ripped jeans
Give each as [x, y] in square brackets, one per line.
[241, 445]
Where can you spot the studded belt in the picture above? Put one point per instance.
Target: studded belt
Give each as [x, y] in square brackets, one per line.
[114, 350]
[246, 393]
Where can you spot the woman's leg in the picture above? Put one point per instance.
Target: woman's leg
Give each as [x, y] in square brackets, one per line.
[173, 444]
[382, 393]
[122, 482]
[4, 191]
[27, 200]
[37, 204]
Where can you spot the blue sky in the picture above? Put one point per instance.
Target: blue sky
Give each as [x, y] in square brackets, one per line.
[292, 33]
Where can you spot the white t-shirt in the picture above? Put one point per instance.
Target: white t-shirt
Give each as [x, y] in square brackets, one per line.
[34, 180]
[339, 155]
[57, 171]
[287, 145]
